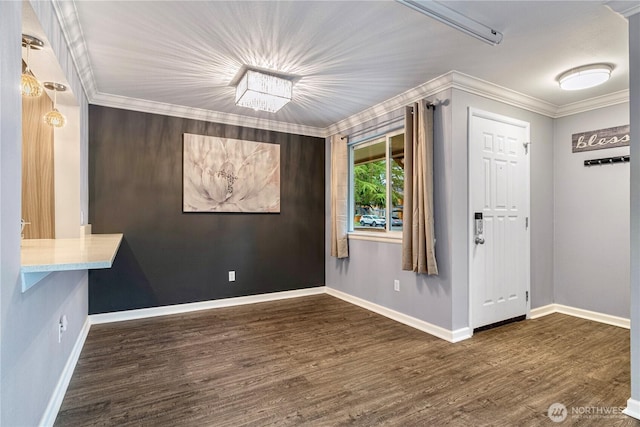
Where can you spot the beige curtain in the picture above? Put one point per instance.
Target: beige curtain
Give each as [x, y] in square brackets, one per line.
[339, 208]
[418, 240]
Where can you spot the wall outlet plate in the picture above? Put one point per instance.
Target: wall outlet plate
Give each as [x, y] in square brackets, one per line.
[396, 285]
[232, 276]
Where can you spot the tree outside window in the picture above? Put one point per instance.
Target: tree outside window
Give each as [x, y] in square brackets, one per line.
[370, 179]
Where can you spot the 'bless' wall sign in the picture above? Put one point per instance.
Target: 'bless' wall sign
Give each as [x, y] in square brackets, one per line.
[600, 139]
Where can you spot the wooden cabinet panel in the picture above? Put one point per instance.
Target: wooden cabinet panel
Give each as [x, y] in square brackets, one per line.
[38, 199]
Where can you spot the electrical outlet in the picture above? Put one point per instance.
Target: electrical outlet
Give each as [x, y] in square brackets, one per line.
[232, 276]
[396, 285]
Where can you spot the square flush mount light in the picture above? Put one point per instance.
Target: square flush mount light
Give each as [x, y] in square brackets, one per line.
[264, 92]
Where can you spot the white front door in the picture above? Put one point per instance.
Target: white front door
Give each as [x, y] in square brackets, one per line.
[499, 194]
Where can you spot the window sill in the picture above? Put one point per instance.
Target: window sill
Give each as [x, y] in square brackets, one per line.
[385, 237]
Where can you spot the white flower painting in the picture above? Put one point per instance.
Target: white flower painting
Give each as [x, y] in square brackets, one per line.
[230, 175]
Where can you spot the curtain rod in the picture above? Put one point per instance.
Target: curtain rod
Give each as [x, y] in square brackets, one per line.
[385, 123]
[374, 127]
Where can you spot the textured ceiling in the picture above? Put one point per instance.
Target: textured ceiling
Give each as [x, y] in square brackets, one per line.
[349, 55]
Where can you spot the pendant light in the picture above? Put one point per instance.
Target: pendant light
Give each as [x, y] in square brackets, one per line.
[29, 85]
[54, 117]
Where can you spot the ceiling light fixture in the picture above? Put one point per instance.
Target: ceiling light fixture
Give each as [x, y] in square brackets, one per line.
[585, 77]
[455, 20]
[264, 92]
[29, 85]
[54, 117]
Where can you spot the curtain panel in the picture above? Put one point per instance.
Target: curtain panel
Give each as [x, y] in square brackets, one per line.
[418, 237]
[339, 197]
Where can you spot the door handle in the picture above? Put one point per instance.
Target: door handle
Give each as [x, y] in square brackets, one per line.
[478, 228]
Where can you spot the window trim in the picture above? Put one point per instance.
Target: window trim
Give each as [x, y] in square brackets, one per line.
[386, 235]
[377, 236]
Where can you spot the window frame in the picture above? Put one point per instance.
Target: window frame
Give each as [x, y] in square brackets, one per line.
[386, 235]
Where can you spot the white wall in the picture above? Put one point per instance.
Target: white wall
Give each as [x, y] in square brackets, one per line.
[591, 211]
[31, 359]
[443, 300]
[541, 164]
[634, 115]
[371, 268]
[10, 163]
[67, 177]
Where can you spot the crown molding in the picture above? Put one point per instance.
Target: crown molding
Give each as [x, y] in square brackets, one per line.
[502, 94]
[624, 8]
[68, 17]
[427, 89]
[593, 103]
[451, 80]
[154, 107]
[470, 84]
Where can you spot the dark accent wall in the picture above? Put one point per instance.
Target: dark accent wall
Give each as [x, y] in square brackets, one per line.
[170, 257]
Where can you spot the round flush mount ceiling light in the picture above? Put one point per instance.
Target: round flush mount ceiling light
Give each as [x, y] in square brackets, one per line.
[585, 77]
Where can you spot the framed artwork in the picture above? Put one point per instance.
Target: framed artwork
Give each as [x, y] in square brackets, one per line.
[230, 175]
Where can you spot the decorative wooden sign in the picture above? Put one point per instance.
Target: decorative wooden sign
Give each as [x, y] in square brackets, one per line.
[600, 139]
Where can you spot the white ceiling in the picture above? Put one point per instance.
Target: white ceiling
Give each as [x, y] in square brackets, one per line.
[350, 55]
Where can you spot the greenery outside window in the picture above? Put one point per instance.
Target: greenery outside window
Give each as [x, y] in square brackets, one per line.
[377, 184]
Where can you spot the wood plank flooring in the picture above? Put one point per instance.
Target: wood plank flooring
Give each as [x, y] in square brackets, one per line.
[320, 361]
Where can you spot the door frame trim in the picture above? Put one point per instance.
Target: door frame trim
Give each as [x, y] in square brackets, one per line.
[475, 112]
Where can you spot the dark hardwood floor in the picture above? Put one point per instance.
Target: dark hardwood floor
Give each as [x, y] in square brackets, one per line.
[320, 361]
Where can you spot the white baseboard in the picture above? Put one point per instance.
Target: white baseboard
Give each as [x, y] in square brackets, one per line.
[583, 314]
[633, 408]
[542, 311]
[120, 316]
[51, 411]
[595, 316]
[461, 334]
[144, 313]
[437, 331]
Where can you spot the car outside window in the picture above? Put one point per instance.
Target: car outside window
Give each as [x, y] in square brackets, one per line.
[377, 184]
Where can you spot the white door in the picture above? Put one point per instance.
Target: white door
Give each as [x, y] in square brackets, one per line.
[499, 193]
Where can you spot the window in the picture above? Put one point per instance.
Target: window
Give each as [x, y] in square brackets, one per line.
[377, 184]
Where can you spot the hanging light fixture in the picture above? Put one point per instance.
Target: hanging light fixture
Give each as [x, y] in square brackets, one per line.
[264, 92]
[585, 77]
[29, 85]
[54, 117]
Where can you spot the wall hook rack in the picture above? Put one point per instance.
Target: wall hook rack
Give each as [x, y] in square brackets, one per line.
[606, 160]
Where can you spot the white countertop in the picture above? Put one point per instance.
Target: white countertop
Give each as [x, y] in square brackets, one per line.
[43, 256]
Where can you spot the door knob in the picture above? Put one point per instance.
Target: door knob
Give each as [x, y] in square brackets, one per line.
[478, 228]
